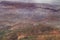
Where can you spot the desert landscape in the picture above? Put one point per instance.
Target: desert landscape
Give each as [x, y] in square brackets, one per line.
[29, 21]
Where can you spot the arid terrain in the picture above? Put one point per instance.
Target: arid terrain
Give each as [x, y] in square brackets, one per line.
[29, 21]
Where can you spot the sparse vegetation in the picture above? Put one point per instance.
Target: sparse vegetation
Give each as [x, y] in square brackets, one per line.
[39, 32]
[29, 21]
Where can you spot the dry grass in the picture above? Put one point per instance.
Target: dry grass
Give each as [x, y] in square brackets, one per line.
[49, 37]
